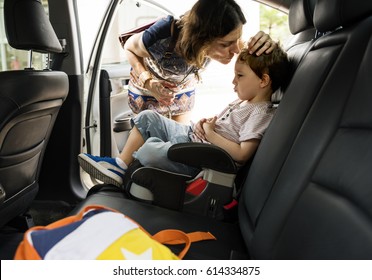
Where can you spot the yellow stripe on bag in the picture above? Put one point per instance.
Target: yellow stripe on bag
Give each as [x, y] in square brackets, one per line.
[137, 245]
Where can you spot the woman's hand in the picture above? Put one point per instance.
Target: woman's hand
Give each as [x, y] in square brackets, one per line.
[261, 43]
[164, 92]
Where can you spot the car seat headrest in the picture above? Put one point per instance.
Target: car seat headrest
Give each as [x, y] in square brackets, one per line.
[300, 16]
[28, 27]
[330, 15]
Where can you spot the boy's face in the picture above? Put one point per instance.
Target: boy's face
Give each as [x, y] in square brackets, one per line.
[246, 82]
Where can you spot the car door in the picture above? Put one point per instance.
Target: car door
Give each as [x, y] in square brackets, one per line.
[106, 124]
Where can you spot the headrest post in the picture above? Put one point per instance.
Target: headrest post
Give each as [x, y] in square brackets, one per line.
[29, 60]
[47, 61]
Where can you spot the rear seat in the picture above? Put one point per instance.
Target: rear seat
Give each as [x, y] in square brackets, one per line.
[307, 194]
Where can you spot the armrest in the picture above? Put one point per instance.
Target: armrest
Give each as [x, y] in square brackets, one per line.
[202, 155]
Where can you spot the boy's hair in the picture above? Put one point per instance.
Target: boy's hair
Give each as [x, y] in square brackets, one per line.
[275, 64]
[207, 21]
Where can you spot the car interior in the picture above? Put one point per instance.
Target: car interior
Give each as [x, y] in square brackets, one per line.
[305, 195]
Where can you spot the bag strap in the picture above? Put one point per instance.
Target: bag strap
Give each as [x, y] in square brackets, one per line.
[174, 237]
[126, 35]
[174, 34]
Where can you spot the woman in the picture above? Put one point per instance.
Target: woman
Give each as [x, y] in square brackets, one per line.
[167, 57]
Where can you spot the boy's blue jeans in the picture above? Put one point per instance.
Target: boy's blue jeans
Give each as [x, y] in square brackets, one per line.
[159, 134]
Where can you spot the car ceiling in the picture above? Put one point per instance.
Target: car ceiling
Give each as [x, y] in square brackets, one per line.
[282, 5]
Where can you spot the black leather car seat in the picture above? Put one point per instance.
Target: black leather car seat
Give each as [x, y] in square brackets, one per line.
[29, 103]
[308, 191]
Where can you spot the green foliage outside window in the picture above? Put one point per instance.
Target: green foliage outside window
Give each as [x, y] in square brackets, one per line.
[274, 23]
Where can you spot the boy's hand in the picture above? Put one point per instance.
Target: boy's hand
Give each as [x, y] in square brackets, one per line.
[209, 125]
[198, 129]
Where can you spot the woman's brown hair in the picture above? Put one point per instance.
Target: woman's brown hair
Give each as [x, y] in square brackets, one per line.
[207, 21]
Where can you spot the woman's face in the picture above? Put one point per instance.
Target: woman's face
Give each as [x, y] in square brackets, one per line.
[223, 49]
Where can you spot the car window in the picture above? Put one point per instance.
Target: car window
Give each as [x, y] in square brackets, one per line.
[12, 59]
[130, 14]
[90, 19]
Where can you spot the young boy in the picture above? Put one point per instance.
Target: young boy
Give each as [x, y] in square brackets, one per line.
[238, 129]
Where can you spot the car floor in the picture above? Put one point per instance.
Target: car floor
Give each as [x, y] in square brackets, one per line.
[41, 213]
